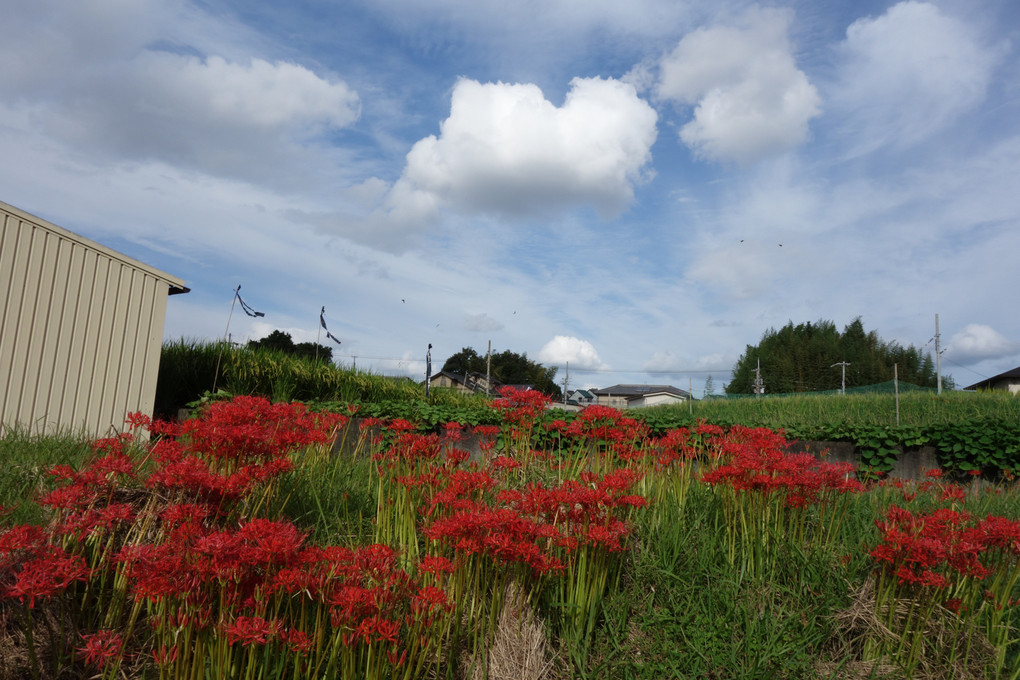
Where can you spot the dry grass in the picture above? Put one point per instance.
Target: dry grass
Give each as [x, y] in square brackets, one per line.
[520, 649]
[859, 624]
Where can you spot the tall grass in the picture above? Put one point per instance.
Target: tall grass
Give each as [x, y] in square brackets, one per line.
[188, 370]
[806, 411]
[622, 587]
[26, 459]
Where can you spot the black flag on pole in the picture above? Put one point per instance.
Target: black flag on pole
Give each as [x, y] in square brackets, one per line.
[247, 308]
[322, 322]
[428, 369]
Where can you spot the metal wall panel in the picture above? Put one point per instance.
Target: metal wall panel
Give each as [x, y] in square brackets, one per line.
[81, 329]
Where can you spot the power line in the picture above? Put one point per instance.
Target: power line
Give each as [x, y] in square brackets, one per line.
[575, 369]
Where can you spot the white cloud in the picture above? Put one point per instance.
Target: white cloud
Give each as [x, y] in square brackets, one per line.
[977, 342]
[908, 73]
[668, 362]
[260, 95]
[506, 149]
[561, 349]
[481, 323]
[663, 361]
[750, 99]
[411, 364]
[131, 81]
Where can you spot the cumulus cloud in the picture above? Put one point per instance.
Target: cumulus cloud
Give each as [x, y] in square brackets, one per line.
[563, 348]
[116, 81]
[750, 99]
[506, 149]
[977, 342]
[908, 73]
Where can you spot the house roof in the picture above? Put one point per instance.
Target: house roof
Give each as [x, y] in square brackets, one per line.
[472, 381]
[638, 391]
[1012, 373]
[578, 396]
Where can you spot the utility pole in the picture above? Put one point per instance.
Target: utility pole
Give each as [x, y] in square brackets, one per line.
[896, 389]
[759, 386]
[842, 384]
[938, 358]
[488, 368]
[566, 381]
[428, 369]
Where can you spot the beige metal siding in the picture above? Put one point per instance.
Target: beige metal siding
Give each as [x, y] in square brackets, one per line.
[81, 329]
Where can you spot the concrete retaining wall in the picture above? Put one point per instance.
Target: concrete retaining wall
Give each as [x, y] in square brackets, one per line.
[911, 464]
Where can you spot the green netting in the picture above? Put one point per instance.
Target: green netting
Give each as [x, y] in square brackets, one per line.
[888, 387]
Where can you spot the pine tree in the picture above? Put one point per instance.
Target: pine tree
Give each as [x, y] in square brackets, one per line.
[709, 387]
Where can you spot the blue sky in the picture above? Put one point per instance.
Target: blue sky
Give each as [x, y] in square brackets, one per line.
[641, 189]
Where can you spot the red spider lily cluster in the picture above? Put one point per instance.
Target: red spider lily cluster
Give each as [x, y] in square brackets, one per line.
[33, 568]
[944, 560]
[942, 547]
[755, 460]
[771, 497]
[174, 553]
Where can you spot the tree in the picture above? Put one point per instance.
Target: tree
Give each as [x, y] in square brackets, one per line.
[800, 359]
[709, 387]
[508, 368]
[282, 342]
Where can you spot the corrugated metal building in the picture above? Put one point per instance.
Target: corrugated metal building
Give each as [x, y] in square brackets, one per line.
[81, 328]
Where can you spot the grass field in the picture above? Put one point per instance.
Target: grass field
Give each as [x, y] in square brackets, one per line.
[235, 546]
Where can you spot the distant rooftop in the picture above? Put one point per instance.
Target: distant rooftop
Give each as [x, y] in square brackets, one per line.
[632, 391]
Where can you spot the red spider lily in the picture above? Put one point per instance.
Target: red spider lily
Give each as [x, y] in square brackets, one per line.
[178, 515]
[1000, 532]
[604, 425]
[506, 463]
[164, 656]
[21, 539]
[520, 405]
[412, 447]
[112, 445]
[102, 647]
[500, 533]
[48, 572]
[272, 543]
[435, 565]
[250, 429]
[80, 524]
[429, 600]
[138, 420]
[953, 493]
[756, 461]
[251, 630]
[453, 431]
[401, 425]
[913, 546]
[298, 641]
[167, 451]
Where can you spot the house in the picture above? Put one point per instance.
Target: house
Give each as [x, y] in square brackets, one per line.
[1005, 382]
[638, 396]
[581, 398]
[81, 329]
[468, 383]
